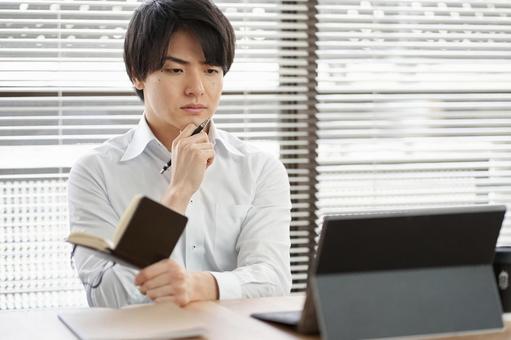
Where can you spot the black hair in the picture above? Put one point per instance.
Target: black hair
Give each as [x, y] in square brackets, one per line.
[155, 21]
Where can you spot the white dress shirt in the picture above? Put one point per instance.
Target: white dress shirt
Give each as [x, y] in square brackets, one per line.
[238, 227]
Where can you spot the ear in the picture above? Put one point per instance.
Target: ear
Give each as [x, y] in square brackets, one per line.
[139, 85]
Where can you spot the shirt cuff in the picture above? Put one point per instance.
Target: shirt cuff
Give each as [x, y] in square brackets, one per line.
[229, 287]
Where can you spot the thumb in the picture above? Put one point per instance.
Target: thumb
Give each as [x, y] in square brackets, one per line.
[186, 132]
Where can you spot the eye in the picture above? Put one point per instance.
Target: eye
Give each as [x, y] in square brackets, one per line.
[173, 70]
[212, 71]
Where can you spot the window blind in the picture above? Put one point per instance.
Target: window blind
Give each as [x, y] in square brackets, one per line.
[63, 90]
[414, 104]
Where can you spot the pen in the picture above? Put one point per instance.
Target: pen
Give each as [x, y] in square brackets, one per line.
[196, 131]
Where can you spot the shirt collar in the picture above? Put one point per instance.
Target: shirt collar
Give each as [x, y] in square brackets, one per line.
[143, 136]
[220, 136]
[212, 134]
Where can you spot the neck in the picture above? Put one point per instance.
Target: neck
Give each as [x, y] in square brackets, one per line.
[165, 134]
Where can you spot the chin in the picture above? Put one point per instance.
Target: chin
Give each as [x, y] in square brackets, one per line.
[185, 121]
[196, 118]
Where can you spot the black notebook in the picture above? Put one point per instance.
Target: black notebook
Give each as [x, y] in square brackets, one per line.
[147, 233]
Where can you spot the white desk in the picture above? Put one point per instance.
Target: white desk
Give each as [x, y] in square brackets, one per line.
[224, 320]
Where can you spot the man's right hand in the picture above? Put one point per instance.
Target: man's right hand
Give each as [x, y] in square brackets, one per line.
[191, 155]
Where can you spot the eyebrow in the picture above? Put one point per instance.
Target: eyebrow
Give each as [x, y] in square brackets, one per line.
[177, 60]
[180, 61]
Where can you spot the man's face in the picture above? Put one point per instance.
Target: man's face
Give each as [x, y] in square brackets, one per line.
[185, 90]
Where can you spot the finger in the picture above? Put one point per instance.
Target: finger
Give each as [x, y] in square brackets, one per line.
[201, 137]
[186, 132]
[153, 270]
[207, 154]
[158, 281]
[164, 299]
[195, 139]
[210, 161]
[202, 146]
[171, 299]
[159, 292]
[189, 131]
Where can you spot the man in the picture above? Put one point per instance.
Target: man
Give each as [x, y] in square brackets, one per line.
[236, 243]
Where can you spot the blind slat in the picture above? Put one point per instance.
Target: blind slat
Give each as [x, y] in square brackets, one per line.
[64, 90]
[413, 102]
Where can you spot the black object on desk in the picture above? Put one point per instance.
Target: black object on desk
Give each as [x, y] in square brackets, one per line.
[392, 274]
[502, 268]
[304, 321]
[415, 272]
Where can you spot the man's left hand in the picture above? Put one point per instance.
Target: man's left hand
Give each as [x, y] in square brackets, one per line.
[167, 280]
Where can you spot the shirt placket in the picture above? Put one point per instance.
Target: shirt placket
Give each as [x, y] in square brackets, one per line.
[194, 235]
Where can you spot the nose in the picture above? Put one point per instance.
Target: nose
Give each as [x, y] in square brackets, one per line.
[194, 86]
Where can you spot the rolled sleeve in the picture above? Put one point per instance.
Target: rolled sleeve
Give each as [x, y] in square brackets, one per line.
[106, 284]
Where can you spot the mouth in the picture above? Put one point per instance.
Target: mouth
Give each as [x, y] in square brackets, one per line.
[194, 108]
